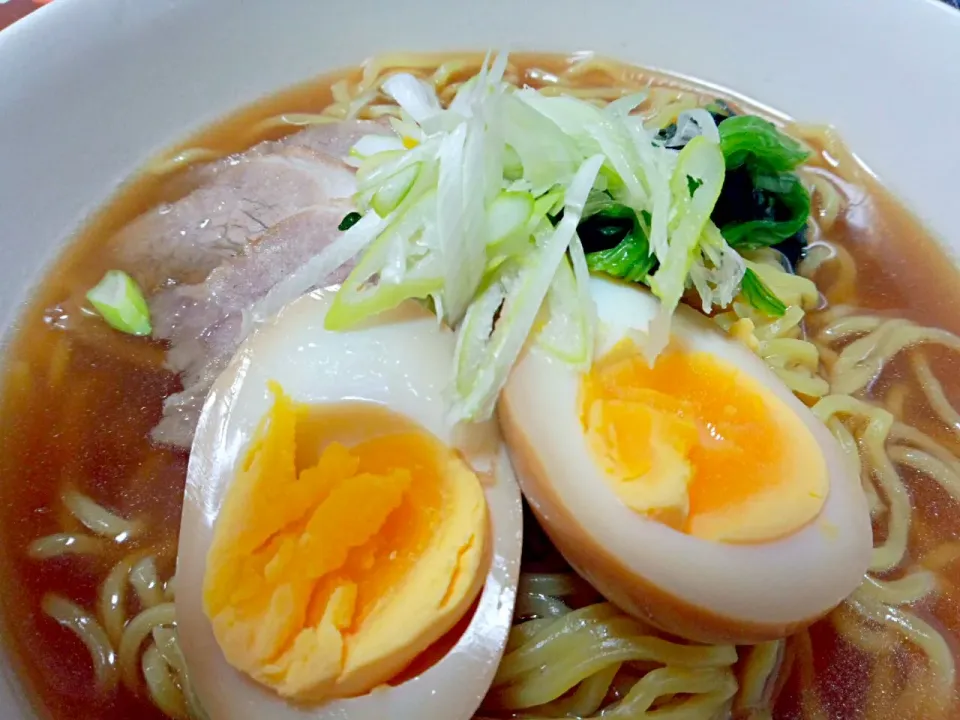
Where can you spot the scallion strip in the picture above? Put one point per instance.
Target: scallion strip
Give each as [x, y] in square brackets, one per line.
[760, 296]
[119, 300]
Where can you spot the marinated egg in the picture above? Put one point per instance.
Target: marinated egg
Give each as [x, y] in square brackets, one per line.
[698, 494]
[337, 531]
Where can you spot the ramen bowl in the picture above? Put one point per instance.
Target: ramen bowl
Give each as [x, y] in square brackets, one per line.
[93, 90]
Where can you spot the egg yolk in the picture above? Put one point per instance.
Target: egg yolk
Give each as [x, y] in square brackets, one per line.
[698, 444]
[349, 541]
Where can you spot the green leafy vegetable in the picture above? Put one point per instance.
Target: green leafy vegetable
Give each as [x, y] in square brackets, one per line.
[757, 143]
[120, 302]
[763, 202]
[785, 206]
[606, 228]
[616, 243]
[760, 296]
[349, 220]
[692, 184]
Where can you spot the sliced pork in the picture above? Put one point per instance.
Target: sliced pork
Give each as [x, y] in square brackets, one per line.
[252, 220]
[203, 321]
[237, 199]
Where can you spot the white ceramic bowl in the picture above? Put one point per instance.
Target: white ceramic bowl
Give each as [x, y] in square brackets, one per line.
[89, 89]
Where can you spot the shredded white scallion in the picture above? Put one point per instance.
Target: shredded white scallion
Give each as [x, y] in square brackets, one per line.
[474, 209]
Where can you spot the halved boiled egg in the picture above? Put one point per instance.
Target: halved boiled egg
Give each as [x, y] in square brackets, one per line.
[698, 494]
[344, 552]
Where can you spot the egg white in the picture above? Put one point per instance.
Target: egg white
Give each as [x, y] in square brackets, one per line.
[403, 360]
[702, 590]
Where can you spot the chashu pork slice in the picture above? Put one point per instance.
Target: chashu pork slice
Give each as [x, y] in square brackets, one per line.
[206, 259]
[236, 200]
[203, 322]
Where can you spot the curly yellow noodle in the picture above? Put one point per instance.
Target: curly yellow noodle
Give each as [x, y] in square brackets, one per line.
[939, 471]
[556, 584]
[818, 253]
[835, 152]
[843, 288]
[761, 664]
[444, 73]
[942, 676]
[521, 633]
[161, 684]
[63, 544]
[849, 446]
[791, 289]
[98, 519]
[902, 591]
[933, 390]
[709, 691]
[112, 601]
[286, 121]
[880, 601]
[870, 638]
[781, 342]
[540, 605]
[586, 699]
[134, 635]
[864, 359]
[826, 198]
[547, 658]
[180, 161]
[85, 626]
[896, 398]
[902, 432]
[784, 352]
[590, 63]
[168, 644]
[846, 326]
[787, 326]
[668, 112]
[146, 583]
[170, 589]
[872, 440]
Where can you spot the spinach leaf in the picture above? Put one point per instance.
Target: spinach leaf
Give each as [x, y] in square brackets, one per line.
[755, 142]
[762, 203]
[615, 242]
[760, 211]
[756, 292]
[692, 184]
[349, 220]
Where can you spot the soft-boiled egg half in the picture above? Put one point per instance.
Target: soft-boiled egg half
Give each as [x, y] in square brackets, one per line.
[698, 494]
[344, 552]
